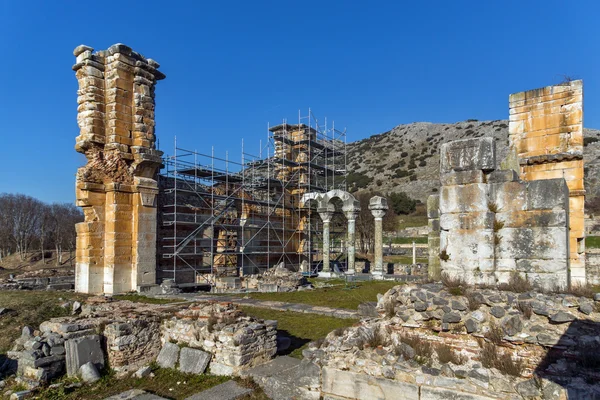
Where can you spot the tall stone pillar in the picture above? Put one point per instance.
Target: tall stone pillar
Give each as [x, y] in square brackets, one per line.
[326, 214]
[351, 217]
[434, 268]
[117, 188]
[378, 206]
[546, 133]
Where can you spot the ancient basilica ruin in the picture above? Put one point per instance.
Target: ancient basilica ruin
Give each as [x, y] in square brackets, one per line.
[194, 218]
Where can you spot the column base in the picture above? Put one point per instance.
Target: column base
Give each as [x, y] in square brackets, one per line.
[326, 274]
[377, 275]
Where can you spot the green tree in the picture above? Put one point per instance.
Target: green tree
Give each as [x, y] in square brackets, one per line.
[401, 203]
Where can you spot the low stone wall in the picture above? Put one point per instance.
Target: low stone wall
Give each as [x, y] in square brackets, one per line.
[481, 344]
[130, 335]
[235, 341]
[592, 266]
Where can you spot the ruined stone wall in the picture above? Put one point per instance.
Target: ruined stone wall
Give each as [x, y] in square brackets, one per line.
[492, 224]
[546, 133]
[116, 244]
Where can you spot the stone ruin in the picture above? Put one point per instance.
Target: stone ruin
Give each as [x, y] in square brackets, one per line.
[117, 188]
[522, 215]
[130, 336]
[427, 343]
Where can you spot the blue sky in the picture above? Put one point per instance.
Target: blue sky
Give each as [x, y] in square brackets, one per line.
[233, 67]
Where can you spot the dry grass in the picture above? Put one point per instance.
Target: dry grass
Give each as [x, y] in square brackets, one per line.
[447, 355]
[423, 348]
[376, 339]
[473, 300]
[516, 284]
[525, 308]
[490, 357]
[495, 334]
[390, 309]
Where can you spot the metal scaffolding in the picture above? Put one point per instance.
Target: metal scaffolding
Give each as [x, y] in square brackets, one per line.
[220, 217]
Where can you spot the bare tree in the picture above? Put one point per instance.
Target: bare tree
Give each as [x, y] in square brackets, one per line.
[64, 217]
[23, 218]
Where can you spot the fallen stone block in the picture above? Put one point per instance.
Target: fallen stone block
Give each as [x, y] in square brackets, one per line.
[193, 361]
[168, 356]
[89, 373]
[143, 372]
[229, 390]
[80, 351]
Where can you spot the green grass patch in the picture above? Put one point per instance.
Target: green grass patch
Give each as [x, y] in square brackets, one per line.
[301, 328]
[137, 298]
[592, 242]
[408, 240]
[403, 260]
[31, 308]
[168, 383]
[338, 296]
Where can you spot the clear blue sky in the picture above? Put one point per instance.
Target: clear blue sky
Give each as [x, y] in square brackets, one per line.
[232, 67]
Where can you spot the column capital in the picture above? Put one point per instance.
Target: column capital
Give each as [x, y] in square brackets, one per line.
[351, 215]
[326, 213]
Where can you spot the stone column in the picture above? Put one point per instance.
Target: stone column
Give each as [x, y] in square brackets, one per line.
[378, 206]
[414, 253]
[351, 217]
[326, 214]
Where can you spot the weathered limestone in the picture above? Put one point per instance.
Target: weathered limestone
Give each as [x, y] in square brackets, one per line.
[351, 216]
[546, 134]
[116, 244]
[378, 206]
[491, 224]
[326, 214]
[326, 210]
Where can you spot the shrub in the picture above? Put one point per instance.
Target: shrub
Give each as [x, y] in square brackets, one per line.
[401, 203]
[376, 339]
[492, 207]
[473, 300]
[507, 365]
[447, 355]
[581, 290]
[413, 178]
[589, 140]
[452, 282]
[444, 256]
[422, 163]
[389, 309]
[423, 349]
[339, 331]
[212, 321]
[498, 225]
[495, 334]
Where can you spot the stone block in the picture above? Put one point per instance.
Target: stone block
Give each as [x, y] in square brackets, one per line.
[229, 390]
[468, 154]
[467, 221]
[193, 361]
[533, 243]
[464, 198]
[501, 176]
[360, 386]
[461, 177]
[89, 373]
[80, 351]
[433, 206]
[168, 356]
[534, 218]
[547, 194]
[509, 196]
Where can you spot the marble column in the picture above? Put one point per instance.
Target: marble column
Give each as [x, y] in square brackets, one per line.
[378, 206]
[351, 217]
[326, 214]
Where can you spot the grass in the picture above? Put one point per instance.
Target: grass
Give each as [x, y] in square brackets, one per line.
[408, 240]
[337, 296]
[403, 259]
[32, 308]
[592, 242]
[168, 383]
[137, 298]
[299, 327]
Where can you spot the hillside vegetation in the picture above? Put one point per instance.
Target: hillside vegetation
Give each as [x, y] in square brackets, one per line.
[406, 158]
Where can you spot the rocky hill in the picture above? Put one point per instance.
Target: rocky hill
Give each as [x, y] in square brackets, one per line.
[407, 157]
